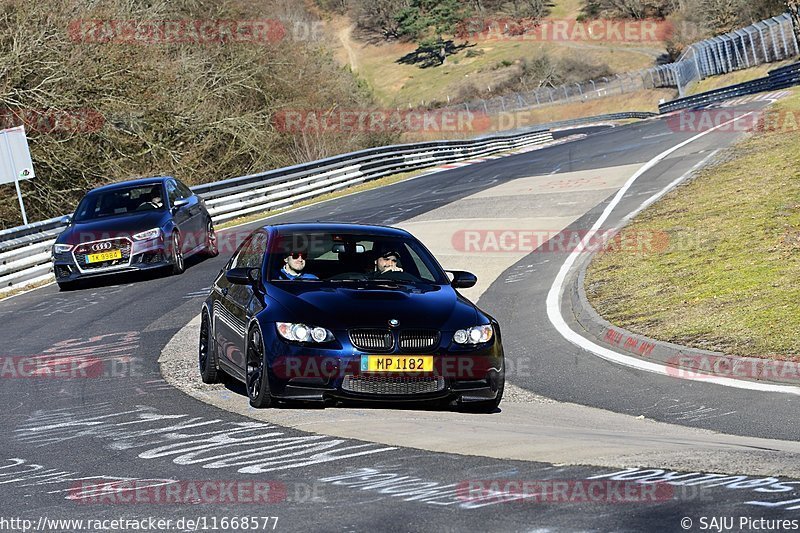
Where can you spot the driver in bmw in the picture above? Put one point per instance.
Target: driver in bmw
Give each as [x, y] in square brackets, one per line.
[387, 262]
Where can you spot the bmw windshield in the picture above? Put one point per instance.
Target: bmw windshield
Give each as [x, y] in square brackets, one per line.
[348, 257]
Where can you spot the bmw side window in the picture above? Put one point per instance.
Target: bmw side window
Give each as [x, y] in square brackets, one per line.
[424, 272]
[252, 254]
[172, 193]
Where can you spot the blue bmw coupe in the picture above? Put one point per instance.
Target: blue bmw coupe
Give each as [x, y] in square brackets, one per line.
[333, 312]
[133, 225]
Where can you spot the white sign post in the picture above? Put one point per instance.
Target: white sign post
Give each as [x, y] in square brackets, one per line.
[15, 162]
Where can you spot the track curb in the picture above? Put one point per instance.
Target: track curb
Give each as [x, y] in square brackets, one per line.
[683, 360]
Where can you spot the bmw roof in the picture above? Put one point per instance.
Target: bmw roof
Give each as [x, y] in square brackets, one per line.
[336, 227]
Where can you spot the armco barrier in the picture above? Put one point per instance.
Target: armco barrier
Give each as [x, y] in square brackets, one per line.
[779, 78]
[25, 250]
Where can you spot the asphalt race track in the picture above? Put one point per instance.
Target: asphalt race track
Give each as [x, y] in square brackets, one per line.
[108, 445]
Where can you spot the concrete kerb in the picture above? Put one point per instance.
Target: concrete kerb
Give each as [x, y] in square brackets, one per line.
[669, 354]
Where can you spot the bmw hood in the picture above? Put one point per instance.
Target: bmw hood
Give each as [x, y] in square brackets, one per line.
[111, 227]
[334, 307]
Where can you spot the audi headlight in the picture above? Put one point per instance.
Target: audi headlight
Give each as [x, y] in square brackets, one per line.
[303, 333]
[474, 335]
[147, 235]
[62, 248]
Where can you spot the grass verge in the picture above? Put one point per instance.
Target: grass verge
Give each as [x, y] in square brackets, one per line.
[727, 280]
[8, 293]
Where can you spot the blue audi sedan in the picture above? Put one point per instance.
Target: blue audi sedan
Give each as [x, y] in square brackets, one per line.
[336, 312]
[134, 225]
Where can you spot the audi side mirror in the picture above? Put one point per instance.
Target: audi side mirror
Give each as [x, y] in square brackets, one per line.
[177, 204]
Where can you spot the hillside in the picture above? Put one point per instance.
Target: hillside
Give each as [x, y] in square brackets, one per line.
[102, 103]
[483, 64]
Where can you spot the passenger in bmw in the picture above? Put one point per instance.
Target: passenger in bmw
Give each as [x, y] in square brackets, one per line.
[294, 263]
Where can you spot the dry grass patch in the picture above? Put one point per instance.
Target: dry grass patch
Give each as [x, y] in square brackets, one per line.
[728, 279]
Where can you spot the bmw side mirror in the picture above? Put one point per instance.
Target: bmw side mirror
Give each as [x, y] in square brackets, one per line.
[463, 280]
[243, 276]
[66, 220]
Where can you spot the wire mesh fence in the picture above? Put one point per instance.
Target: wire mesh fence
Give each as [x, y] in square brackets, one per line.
[573, 92]
[766, 41]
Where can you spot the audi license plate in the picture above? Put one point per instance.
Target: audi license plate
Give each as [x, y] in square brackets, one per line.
[397, 363]
[104, 256]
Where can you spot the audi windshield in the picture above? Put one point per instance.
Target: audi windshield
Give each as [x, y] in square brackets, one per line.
[119, 201]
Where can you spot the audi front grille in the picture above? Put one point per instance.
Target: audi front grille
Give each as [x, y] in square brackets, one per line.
[83, 250]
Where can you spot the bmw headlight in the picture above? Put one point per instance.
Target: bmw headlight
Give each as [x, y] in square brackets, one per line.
[303, 333]
[147, 235]
[61, 248]
[474, 335]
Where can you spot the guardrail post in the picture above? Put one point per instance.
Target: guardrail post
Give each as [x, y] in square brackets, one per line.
[753, 48]
[764, 45]
[772, 40]
[744, 50]
[783, 38]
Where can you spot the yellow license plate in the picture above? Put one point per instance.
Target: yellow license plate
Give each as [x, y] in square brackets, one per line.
[397, 363]
[105, 256]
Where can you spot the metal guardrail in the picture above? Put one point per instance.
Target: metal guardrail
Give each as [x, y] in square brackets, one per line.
[779, 78]
[25, 251]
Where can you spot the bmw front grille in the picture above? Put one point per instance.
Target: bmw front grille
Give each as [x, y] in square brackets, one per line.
[397, 385]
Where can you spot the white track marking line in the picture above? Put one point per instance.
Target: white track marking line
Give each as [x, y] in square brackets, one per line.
[554, 295]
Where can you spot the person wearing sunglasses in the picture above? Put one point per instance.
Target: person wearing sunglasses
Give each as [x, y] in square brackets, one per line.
[387, 262]
[294, 263]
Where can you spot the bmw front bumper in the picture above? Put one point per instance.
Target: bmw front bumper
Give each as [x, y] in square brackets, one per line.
[310, 373]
